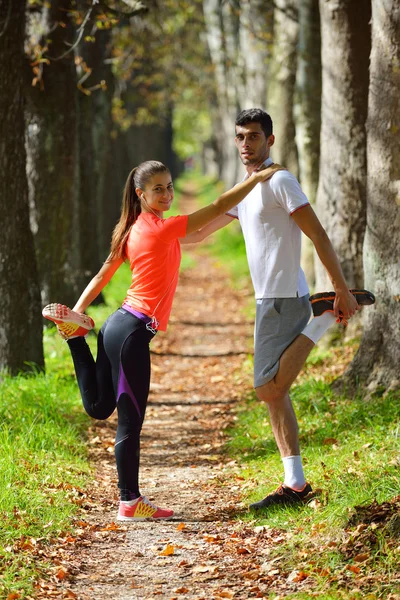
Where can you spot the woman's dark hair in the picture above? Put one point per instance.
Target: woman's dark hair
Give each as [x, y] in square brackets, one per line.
[256, 115]
[131, 208]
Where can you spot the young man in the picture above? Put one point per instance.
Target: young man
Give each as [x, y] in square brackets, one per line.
[272, 217]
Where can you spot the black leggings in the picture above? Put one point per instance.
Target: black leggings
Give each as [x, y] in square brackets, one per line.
[120, 378]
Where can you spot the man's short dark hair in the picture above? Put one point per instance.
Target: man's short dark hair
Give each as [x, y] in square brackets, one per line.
[255, 115]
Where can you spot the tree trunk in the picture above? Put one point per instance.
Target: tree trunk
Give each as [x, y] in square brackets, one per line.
[308, 113]
[53, 161]
[94, 126]
[378, 359]
[20, 307]
[108, 188]
[282, 82]
[341, 197]
[238, 36]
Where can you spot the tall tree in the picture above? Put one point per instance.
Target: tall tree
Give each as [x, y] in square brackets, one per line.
[308, 112]
[20, 314]
[53, 151]
[378, 359]
[96, 206]
[341, 197]
[282, 81]
[239, 38]
[308, 96]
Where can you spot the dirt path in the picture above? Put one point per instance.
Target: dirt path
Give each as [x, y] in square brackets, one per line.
[205, 552]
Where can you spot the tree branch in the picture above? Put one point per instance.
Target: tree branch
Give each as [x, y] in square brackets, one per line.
[80, 32]
[141, 8]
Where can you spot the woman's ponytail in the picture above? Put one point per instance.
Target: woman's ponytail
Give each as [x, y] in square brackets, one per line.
[130, 210]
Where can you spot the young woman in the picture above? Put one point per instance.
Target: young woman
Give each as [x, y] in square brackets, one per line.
[120, 376]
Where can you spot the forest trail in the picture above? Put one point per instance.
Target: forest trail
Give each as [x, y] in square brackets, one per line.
[205, 552]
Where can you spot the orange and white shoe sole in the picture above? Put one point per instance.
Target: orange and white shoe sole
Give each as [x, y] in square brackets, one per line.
[71, 323]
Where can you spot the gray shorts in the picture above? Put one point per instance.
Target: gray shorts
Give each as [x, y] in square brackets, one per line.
[278, 322]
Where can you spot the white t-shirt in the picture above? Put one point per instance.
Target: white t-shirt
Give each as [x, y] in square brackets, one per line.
[272, 237]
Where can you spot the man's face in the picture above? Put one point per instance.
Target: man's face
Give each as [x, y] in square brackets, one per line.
[252, 144]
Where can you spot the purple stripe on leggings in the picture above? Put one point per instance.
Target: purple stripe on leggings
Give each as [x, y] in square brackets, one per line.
[125, 388]
[136, 313]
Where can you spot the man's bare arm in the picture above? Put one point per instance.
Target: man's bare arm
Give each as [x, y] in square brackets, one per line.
[309, 223]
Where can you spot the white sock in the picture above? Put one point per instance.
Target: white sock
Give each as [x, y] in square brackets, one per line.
[294, 475]
[318, 326]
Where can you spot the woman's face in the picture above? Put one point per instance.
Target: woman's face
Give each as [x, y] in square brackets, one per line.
[157, 194]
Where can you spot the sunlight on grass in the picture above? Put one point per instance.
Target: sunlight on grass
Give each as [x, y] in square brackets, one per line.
[351, 452]
[43, 462]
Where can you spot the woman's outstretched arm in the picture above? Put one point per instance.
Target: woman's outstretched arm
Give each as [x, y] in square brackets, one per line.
[99, 281]
[204, 232]
[229, 199]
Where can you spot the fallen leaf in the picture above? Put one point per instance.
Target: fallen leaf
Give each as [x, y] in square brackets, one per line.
[181, 526]
[353, 569]
[330, 442]
[111, 527]
[168, 550]
[361, 557]
[315, 504]
[297, 576]
[204, 569]
[61, 573]
[212, 539]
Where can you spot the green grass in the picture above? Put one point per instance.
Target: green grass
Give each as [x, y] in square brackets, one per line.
[43, 465]
[351, 450]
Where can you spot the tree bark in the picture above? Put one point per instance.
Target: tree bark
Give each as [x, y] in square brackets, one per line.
[96, 201]
[20, 306]
[238, 36]
[378, 359]
[53, 161]
[341, 196]
[308, 113]
[282, 80]
[308, 96]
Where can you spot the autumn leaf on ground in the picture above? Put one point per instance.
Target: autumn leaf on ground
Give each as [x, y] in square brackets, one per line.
[361, 557]
[205, 569]
[224, 594]
[111, 527]
[181, 526]
[61, 573]
[330, 442]
[297, 576]
[243, 550]
[212, 539]
[168, 550]
[353, 568]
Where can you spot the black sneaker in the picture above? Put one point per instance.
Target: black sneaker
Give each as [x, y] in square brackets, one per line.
[323, 302]
[284, 495]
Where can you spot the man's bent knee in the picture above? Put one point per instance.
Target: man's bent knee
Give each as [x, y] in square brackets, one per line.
[269, 392]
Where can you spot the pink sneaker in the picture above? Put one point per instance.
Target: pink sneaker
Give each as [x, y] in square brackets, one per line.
[141, 509]
[71, 323]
